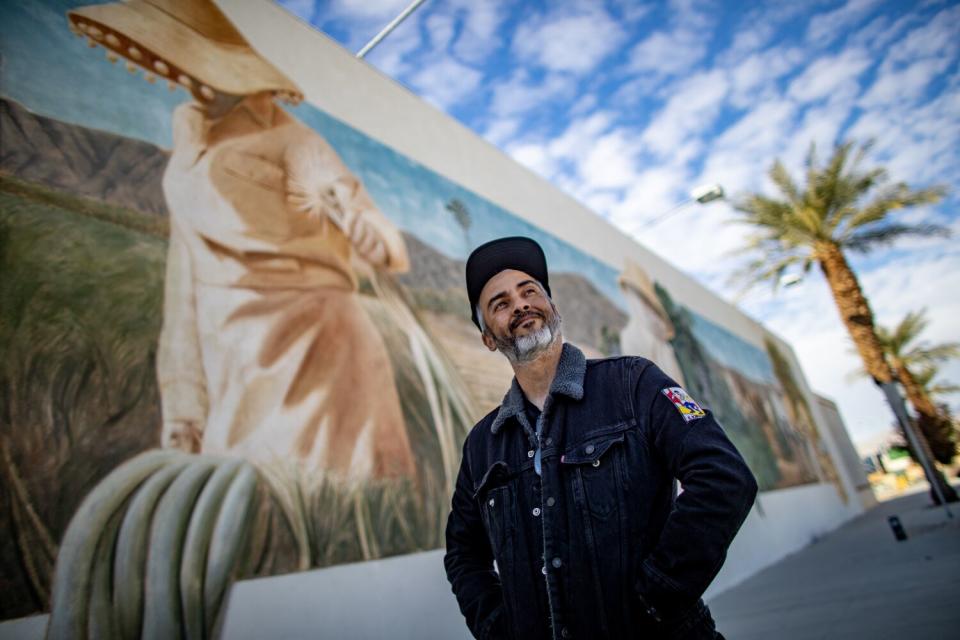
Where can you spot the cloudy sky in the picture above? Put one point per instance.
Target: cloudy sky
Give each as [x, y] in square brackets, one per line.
[629, 105]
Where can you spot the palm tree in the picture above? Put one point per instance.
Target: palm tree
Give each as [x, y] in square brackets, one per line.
[841, 208]
[462, 215]
[914, 364]
[927, 379]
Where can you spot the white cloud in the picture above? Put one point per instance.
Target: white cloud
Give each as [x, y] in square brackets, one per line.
[480, 23]
[754, 80]
[501, 131]
[905, 85]
[667, 53]
[535, 157]
[580, 134]
[369, 10]
[678, 49]
[446, 82]
[439, 31]
[574, 42]
[827, 27]
[610, 161]
[690, 113]
[938, 38]
[391, 55]
[831, 75]
[523, 93]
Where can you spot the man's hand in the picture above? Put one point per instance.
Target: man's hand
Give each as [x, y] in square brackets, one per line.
[185, 435]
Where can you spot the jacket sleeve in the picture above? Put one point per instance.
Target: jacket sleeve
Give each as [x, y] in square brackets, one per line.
[469, 561]
[718, 493]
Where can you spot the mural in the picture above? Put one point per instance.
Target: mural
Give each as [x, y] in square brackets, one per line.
[221, 269]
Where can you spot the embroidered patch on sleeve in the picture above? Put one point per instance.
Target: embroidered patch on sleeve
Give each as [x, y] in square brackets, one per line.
[689, 409]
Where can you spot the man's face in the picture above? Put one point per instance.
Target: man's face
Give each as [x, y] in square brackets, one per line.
[520, 320]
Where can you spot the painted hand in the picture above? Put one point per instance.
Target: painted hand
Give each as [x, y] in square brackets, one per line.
[185, 435]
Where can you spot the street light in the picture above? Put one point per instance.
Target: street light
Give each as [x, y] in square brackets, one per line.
[390, 27]
[701, 195]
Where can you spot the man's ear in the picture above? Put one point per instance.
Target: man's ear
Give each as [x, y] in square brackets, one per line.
[488, 341]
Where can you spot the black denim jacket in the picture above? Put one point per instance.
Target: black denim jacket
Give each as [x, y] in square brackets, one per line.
[597, 546]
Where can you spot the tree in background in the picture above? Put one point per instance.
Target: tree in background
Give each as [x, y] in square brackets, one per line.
[841, 208]
[914, 363]
[936, 389]
[462, 215]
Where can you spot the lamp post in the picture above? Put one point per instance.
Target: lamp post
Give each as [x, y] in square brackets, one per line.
[701, 195]
[390, 27]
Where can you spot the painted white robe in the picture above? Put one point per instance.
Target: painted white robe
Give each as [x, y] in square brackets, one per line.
[264, 344]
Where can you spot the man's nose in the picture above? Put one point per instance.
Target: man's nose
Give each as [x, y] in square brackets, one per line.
[520, 307]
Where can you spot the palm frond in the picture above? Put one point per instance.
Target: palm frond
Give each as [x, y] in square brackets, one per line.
[762, 270]
[906, 331]
[867, 239]
[898, 196]
[781, 178]
[937, 353]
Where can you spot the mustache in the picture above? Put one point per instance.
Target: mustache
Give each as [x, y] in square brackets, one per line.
[516, 322]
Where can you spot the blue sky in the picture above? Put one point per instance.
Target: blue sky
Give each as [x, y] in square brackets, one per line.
[629, 105]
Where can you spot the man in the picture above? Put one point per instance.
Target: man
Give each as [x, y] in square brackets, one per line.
[568, 485]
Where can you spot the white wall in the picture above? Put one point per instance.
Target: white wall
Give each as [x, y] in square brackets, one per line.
[408, 597]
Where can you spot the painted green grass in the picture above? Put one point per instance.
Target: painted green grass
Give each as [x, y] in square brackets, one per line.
[80, 305]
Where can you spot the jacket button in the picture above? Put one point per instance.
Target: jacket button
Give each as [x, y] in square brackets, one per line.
[557, 563]
[536, 511]
[549, 441]
[551, 501]
[492, 502]
[530, 453]
[565, 632]
[543, 569]
[589, 449]
[596, 462]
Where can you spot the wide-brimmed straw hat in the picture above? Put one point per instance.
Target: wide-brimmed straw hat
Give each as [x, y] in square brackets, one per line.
[635, 279]
[188, 42]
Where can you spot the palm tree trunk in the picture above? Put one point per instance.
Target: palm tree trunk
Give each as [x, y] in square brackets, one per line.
[857, 317]
[854, 309]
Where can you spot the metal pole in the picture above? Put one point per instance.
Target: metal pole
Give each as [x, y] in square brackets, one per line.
[669, 212]
[390, 27]
[918, 443]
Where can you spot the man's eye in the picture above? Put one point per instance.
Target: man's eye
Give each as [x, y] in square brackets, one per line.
[499, 305]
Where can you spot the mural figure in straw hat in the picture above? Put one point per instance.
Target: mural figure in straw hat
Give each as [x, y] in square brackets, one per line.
[649, 330]
[265, 351]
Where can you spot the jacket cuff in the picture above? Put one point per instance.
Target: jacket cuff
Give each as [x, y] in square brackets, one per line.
[660, 599]
[493, 624]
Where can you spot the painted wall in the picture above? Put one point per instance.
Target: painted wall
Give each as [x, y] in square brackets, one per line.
[283, 284]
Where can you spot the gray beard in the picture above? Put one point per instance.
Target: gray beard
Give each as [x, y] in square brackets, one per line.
[522, 349]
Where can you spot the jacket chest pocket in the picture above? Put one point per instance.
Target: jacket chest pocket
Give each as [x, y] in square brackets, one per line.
[597, 467]
[495, 496]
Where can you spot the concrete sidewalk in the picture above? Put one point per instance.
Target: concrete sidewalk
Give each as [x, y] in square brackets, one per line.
[857, 582]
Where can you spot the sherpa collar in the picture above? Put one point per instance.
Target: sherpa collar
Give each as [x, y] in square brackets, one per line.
[568, 381]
